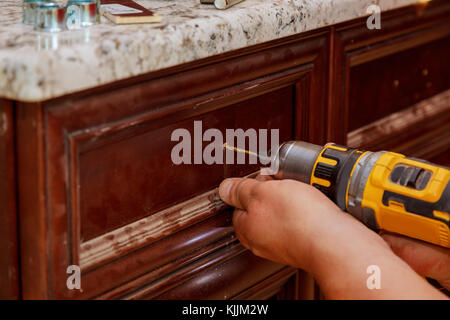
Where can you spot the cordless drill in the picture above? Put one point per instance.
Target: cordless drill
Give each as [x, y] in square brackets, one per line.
[384, 190]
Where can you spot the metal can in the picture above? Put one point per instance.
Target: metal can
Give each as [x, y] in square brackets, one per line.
[29, 10]
[81, 14]
[49, 17]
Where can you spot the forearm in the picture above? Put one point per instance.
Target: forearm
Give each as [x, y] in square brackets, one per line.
[341, 266]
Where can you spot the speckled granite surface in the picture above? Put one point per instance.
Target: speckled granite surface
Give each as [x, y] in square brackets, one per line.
[38, 66]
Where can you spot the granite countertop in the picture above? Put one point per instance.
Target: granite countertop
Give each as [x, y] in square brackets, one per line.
[38, 66]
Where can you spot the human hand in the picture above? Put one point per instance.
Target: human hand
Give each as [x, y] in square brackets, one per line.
[289, 222]
[426, 259]
[295, 224]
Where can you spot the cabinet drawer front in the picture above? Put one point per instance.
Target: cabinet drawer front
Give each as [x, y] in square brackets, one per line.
[128, 197]
[135, 181]
[122, 181]
[389, 84]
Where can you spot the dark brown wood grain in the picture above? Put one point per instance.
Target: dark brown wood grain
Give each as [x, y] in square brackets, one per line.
[443, 158]
[9, 267]
[235, 265]
[421, 131]
[169, 255]
[32, 197]
[283, 285]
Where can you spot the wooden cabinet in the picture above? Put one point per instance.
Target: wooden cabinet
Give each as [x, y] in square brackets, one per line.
[100, 190]
[96, 186]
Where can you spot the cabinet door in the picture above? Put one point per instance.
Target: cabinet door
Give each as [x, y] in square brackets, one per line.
[390, 84]
[104, 194]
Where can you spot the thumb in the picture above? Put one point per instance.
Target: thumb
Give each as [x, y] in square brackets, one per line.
[238, 192]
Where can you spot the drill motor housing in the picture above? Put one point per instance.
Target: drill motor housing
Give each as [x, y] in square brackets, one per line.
[384, 190]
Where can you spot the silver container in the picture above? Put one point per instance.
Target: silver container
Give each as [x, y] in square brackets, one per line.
[29, 10]
[49, 17]
[81, 14]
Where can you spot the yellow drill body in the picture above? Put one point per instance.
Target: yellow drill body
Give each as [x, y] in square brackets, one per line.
[384, 190]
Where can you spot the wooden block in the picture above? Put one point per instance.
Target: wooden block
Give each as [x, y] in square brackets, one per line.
[127, 12]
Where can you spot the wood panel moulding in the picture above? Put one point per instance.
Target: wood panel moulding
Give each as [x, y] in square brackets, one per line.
[222, 276]
[283, 285]
[149, 229]
[421, 131]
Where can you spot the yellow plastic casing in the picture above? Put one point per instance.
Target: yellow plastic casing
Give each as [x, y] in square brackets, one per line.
[321, 159]
[394, 217]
